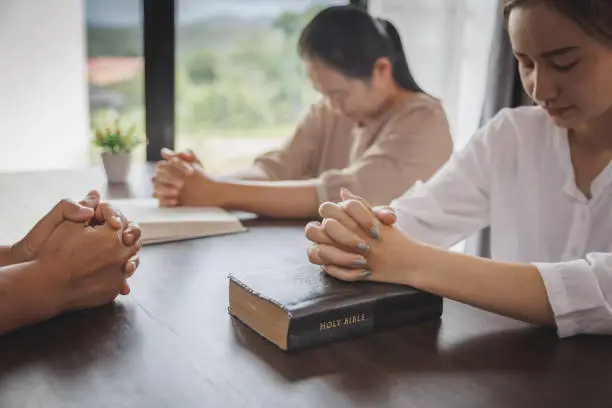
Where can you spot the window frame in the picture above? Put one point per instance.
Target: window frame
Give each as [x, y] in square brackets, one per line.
[159, 43]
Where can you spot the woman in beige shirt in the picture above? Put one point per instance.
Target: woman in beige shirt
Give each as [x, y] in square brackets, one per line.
[376, 132]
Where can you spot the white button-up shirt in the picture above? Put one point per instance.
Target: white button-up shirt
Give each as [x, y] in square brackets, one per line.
[516, 176]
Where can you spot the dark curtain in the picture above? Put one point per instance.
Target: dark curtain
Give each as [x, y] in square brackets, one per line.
[503, 89]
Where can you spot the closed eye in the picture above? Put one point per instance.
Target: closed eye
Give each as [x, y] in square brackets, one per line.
[565, 67]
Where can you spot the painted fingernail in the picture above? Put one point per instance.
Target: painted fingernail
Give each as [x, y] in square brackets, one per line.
[366, 273]
[375, 231]
[359, 262]
[363, 247]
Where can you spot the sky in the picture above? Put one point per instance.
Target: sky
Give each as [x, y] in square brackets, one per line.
[127, 13]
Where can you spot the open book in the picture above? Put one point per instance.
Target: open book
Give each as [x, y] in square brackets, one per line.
[168, 224]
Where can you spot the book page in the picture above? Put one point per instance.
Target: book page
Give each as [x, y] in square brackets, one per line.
[176, 223]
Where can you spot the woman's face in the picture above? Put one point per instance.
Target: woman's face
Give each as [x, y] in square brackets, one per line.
[355, 98]
[564, 70]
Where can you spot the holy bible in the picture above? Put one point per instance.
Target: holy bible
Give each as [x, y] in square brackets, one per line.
[304, 307]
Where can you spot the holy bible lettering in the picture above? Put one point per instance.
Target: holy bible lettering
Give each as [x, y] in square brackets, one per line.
[349, 320]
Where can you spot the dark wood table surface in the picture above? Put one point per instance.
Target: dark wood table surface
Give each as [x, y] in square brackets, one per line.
[172, 343]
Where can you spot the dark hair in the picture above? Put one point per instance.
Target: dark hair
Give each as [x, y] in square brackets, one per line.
[350, 40]
[593, 16]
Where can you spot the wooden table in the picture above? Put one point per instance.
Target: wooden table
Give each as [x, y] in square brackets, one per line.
[171, 343]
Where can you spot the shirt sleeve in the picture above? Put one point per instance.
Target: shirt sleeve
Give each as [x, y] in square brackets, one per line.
[411, 147]
[454, 204]
[297, 157]
[580, 294]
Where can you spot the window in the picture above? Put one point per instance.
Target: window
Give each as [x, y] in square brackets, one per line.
[447, 44]
[240, 85]
[115, 66]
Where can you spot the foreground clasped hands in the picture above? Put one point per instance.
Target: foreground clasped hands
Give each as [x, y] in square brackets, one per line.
[356, 241]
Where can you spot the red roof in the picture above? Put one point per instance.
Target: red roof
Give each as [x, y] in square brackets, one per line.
[111, 70]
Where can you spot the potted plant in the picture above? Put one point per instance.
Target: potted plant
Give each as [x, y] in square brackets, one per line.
[117, 145]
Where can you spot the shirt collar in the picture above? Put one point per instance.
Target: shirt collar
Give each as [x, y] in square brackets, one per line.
[564, 160]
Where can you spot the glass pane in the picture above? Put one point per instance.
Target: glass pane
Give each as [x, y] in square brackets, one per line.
[115, 67]
[240, 84]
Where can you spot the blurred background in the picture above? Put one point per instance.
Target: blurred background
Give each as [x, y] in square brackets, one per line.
[239, 88]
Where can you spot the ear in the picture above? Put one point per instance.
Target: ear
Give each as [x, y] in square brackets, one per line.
[383, 70]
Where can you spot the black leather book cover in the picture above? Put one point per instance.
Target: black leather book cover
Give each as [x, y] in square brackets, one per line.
[322, 309]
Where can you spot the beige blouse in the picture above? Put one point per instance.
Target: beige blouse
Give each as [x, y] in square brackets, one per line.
[379, 160]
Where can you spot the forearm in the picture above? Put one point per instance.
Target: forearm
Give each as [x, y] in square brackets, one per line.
[283, 199]
[24, 297]
[510, 289]
[252, 173]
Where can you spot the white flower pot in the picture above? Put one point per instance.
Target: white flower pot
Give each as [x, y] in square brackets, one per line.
[117, 166]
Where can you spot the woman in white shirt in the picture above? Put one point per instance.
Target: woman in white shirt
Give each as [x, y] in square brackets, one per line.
[539, 176]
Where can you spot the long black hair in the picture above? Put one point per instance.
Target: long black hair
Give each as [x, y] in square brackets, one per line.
[350, 41]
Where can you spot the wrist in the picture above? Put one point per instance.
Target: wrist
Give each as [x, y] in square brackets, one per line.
[408, 264]
[418, 262]
[17, 254]
[202, 190]
[227, 194]
[36, 286]
[53, 287]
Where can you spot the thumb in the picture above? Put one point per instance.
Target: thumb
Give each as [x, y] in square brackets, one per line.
[167, 154]
[63, 211]
[189, 156]
[68, 210]
[386, 215]
[346, 194]
[91, 200]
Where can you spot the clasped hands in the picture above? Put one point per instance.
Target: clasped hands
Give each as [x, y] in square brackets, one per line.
[85, 251]
[356, 241]
[180, 180]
